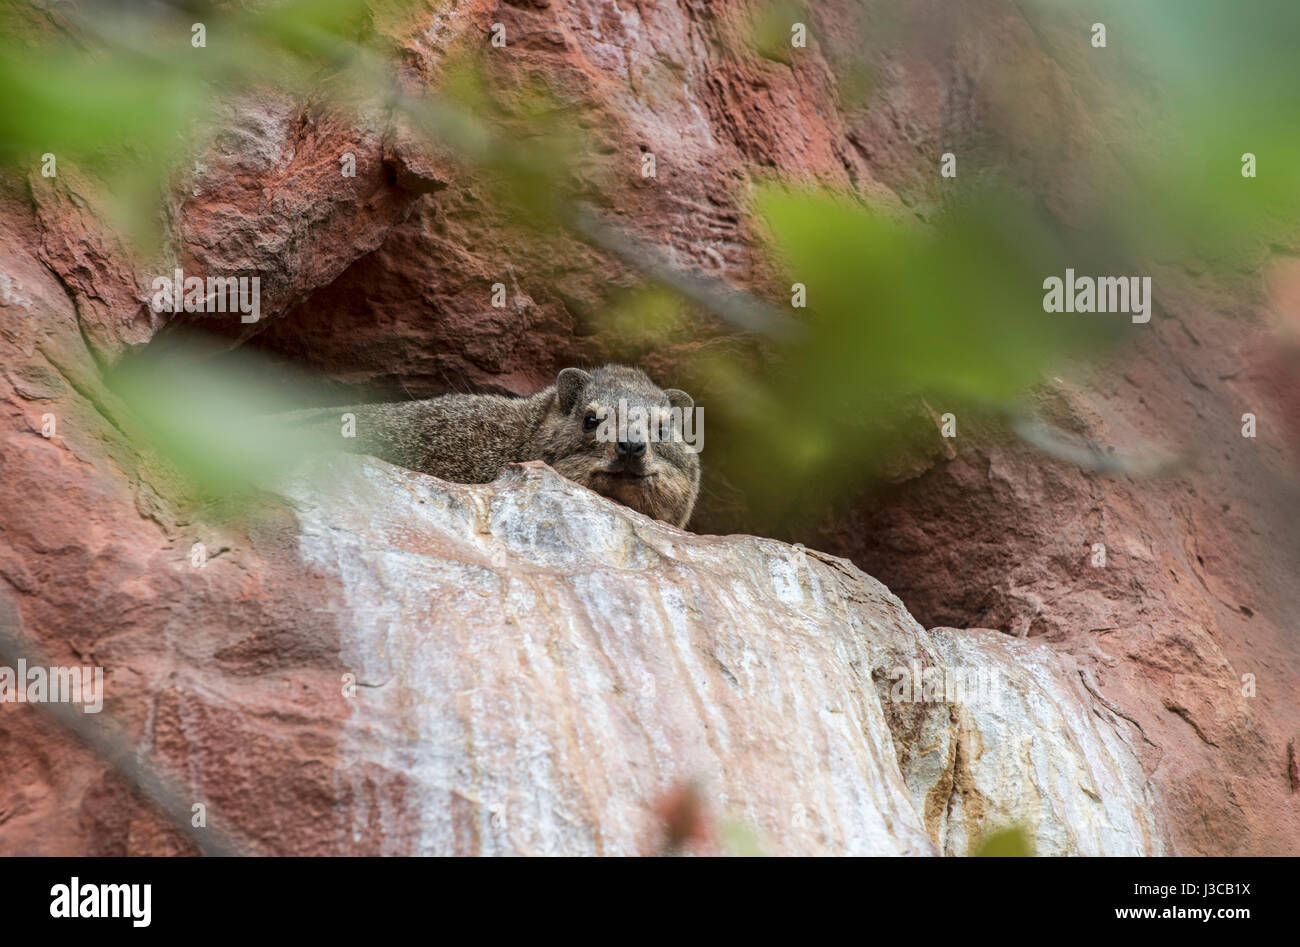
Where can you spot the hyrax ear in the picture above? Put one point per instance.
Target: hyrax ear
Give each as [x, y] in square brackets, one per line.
[679, 399]
[568, 385]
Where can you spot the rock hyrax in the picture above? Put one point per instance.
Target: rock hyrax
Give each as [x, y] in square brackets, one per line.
[574, 425]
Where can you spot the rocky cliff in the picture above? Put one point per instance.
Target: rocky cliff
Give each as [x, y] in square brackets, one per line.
[402, 665]
[527, 668]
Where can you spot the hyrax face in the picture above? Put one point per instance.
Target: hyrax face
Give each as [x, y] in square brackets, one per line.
[623, 436]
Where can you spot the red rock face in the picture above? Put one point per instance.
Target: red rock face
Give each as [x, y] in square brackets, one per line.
[383, 281]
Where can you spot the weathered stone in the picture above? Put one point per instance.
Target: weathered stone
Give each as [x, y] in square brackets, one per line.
[540, 664]
[232, 673]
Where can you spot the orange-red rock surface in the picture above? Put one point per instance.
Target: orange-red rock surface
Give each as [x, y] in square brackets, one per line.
[230, 673]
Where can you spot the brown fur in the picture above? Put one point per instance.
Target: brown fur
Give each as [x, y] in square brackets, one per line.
[469, 438]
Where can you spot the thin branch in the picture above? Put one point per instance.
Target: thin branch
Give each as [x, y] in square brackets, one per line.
[1087, 454]
[741, 310]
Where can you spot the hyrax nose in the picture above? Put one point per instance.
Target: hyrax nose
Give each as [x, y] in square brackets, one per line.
[630, 448]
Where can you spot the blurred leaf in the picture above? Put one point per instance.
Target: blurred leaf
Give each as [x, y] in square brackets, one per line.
[1012, 842]
[951, 311]
[739, 840]
[123, 92]
[1192, 85]
[219, 418]
[643, 319]
[770, 28]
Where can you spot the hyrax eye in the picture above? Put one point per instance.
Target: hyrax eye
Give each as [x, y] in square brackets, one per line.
[590, 422]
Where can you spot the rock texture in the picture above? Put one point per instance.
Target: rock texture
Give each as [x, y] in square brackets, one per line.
[538, 664]
[526, 668]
